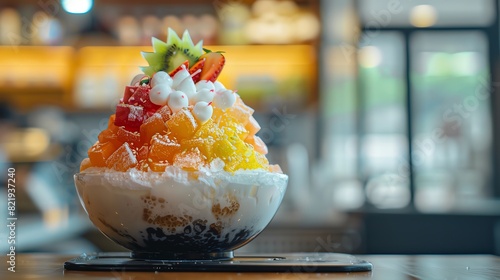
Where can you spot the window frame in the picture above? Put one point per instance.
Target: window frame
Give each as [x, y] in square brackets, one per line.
[492, 34]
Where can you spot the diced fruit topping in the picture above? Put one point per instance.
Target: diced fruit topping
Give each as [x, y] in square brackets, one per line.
[189, 160]
[257, 144]
[182, 125]
[178, 114]
[133, 138]
[122, 159]
[100, 152]
[142, 153]
[163, 149]
[153, 125]
[129, 116]
[141, 98]
[85, 164]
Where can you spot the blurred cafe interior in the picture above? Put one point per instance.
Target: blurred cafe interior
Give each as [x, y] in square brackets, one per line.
[382, 112]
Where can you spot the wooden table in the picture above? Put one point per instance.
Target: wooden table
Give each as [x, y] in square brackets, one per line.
[45, 266]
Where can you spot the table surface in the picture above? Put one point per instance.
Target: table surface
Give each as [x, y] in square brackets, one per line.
[47, 266]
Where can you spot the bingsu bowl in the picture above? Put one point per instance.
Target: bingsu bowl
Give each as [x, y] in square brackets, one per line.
[180, 172]
[181, 214]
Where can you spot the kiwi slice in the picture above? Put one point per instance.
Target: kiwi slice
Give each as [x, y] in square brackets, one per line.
[171, 54]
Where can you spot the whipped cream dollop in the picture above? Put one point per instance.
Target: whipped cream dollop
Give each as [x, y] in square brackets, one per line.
[180, 91]
[203, 111]
[177, 100]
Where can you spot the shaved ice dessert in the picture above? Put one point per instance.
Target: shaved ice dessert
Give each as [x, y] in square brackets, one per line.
[179, 172]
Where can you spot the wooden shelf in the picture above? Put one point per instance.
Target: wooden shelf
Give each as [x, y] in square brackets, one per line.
[93, 78]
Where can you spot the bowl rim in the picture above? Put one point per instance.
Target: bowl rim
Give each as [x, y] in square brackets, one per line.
[103, 171]
[251, 177]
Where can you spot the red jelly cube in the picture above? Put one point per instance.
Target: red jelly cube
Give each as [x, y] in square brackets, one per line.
[129, 116]
[141, 98]
[129, 91]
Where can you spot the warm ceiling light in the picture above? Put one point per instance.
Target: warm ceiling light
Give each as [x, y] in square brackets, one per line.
[369, 57]
[423, 16]
[77, 6]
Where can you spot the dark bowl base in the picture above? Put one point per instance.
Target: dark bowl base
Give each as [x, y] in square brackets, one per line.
[228, 255]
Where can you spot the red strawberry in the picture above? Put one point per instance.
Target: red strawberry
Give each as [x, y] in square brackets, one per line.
[197, 66]
[179, 68]
[213, 66]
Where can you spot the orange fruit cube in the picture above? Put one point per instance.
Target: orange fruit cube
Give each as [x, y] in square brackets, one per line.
[157, 166]
[163, 149]
[142, 165]
[152, 126]
[239, 111]
[275, 168]
[189, 160]
[165, 113]
[252, 126]
[125, 136]
[85, 164]
[182, 125]
[204, 145]
[111, 122]
[108, 135]
[142, 153]
[257, 143]
[242, 113]
[100, 152]
[122, 159]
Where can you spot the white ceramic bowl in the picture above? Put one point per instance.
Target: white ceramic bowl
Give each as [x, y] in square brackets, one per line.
[179, 214]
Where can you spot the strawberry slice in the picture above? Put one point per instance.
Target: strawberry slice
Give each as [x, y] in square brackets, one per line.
[214, 62]
[197, 66]
[179, 68]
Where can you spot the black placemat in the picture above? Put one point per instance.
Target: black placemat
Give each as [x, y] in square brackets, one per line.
[295, 262]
